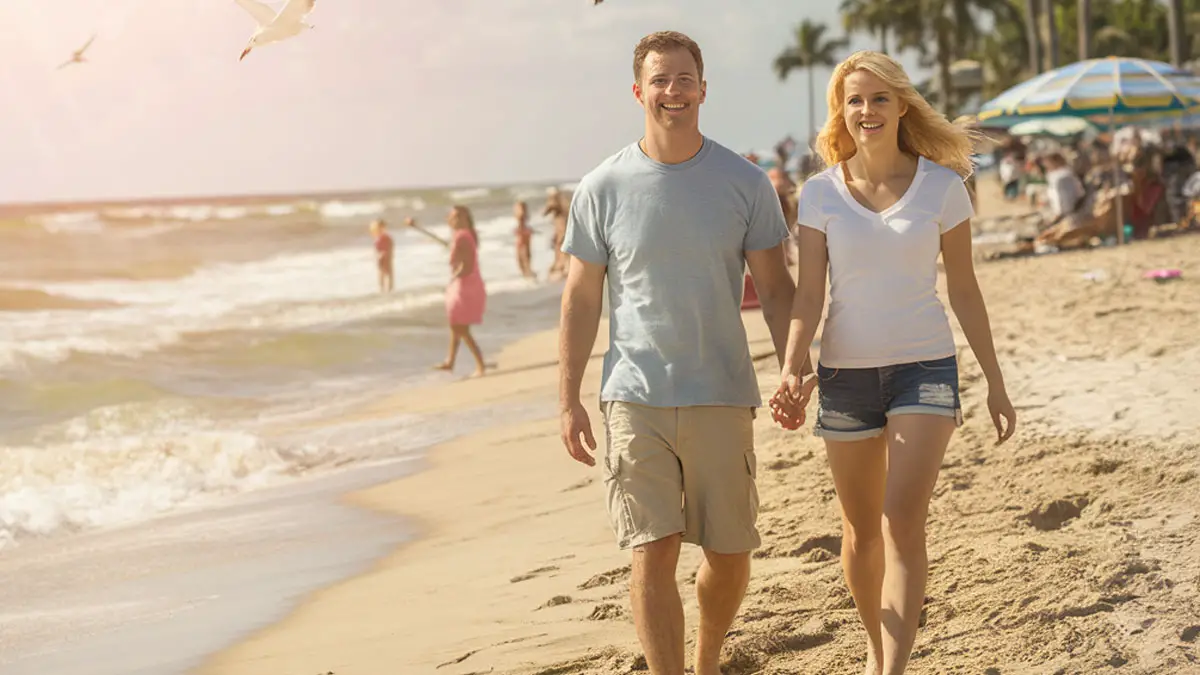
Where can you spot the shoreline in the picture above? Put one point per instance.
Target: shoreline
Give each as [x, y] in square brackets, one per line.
[212, 570]
[1096, 482]
[442, 520]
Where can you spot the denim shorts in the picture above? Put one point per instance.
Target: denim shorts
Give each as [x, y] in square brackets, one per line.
[855, 403]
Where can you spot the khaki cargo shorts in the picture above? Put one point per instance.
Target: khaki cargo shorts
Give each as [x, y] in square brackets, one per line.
[681, 470]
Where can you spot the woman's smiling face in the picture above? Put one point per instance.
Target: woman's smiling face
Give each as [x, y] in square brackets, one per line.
[872, 109]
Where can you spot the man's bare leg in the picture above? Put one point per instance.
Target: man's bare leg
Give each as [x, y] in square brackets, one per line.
[720, 586]
[657, 607]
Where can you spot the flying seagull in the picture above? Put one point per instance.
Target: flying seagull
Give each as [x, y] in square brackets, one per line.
[77, 57]
[272, 27]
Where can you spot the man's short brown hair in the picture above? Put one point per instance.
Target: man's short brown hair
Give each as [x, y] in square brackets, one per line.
[661, 42]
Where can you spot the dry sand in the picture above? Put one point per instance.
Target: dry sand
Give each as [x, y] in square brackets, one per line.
[1074, 548]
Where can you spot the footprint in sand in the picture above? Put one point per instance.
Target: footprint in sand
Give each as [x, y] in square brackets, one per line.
[839, 598]
[580, 485]
[606, 611]
[608, 578]
[819, 549]
[531, 574]
[556, 601]
[781, 464]
[1055, 514]
[1190, 633]
[1101, 466]
[814, 550]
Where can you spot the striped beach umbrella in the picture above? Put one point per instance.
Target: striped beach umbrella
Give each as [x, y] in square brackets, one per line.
[1113, 87]
[1107, 92]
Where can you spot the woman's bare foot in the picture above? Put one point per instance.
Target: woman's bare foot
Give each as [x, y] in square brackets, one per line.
[874, 666]
[444, 365]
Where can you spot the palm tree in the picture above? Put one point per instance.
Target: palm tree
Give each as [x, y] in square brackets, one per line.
[869, 16]
[1085, 29]
[950, 30]
[811, 49]
[1175, 30]
[1034, 39]
[1051, 25]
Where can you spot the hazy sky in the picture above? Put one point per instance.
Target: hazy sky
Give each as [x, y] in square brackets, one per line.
[383, 93]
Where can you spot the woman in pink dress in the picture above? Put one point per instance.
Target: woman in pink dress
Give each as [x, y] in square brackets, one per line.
[466, 296]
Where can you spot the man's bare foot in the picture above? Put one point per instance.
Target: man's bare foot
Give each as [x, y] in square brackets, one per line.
[444, 365]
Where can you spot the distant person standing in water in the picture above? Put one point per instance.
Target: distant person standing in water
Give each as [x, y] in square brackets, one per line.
[556, 209]
[384, 247]
[524, 240]
[466, 295]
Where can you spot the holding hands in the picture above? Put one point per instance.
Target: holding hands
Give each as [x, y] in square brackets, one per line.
[790, 400]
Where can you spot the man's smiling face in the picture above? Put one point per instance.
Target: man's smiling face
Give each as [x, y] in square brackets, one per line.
[671, 90]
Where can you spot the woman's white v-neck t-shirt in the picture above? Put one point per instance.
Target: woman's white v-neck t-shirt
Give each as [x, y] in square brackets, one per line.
[884, 308]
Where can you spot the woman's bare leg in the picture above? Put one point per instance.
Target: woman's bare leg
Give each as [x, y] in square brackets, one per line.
[452, 352]
[860, 477]
[473, 346]
[916, 445]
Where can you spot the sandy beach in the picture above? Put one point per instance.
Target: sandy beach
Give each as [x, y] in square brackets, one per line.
[1074, 548]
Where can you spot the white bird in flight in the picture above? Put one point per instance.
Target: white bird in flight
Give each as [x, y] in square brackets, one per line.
[77, 57]
[272, 27]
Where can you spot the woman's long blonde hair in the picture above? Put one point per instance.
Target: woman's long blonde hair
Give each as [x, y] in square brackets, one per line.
[923, 130]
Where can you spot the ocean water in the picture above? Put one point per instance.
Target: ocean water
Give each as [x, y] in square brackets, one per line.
[147, 350]
[163, 489]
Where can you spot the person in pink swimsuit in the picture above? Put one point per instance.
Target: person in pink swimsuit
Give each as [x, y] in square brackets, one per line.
[384, 247]
[466, 296]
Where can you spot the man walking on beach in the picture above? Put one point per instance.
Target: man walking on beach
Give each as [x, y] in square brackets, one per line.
[672, 221]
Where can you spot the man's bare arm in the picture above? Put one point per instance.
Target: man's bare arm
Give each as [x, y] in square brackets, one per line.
[582, 300]
[773, 282]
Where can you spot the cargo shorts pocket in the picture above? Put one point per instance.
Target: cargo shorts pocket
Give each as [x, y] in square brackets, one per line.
[752, 469]
[619, 512]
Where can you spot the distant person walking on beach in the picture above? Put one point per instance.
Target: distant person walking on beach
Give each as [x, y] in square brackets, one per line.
[466, 295]
[524, 235]
[891, 201]
[384, 247]
[672, 221]
[786, 189]
[557, 207]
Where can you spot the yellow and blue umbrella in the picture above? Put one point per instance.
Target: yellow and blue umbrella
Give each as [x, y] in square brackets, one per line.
[1112, 87]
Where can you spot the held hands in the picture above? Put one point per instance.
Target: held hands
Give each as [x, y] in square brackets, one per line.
[1000, 407]
[574, 422]
[790, 400]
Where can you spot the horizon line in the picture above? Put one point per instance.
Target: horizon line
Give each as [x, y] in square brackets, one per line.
[183, 198]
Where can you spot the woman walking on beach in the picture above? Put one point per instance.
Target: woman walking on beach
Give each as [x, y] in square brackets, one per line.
[891, 201]
[466, 296]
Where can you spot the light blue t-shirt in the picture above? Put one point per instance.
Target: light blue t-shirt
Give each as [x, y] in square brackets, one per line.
[674, 238]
